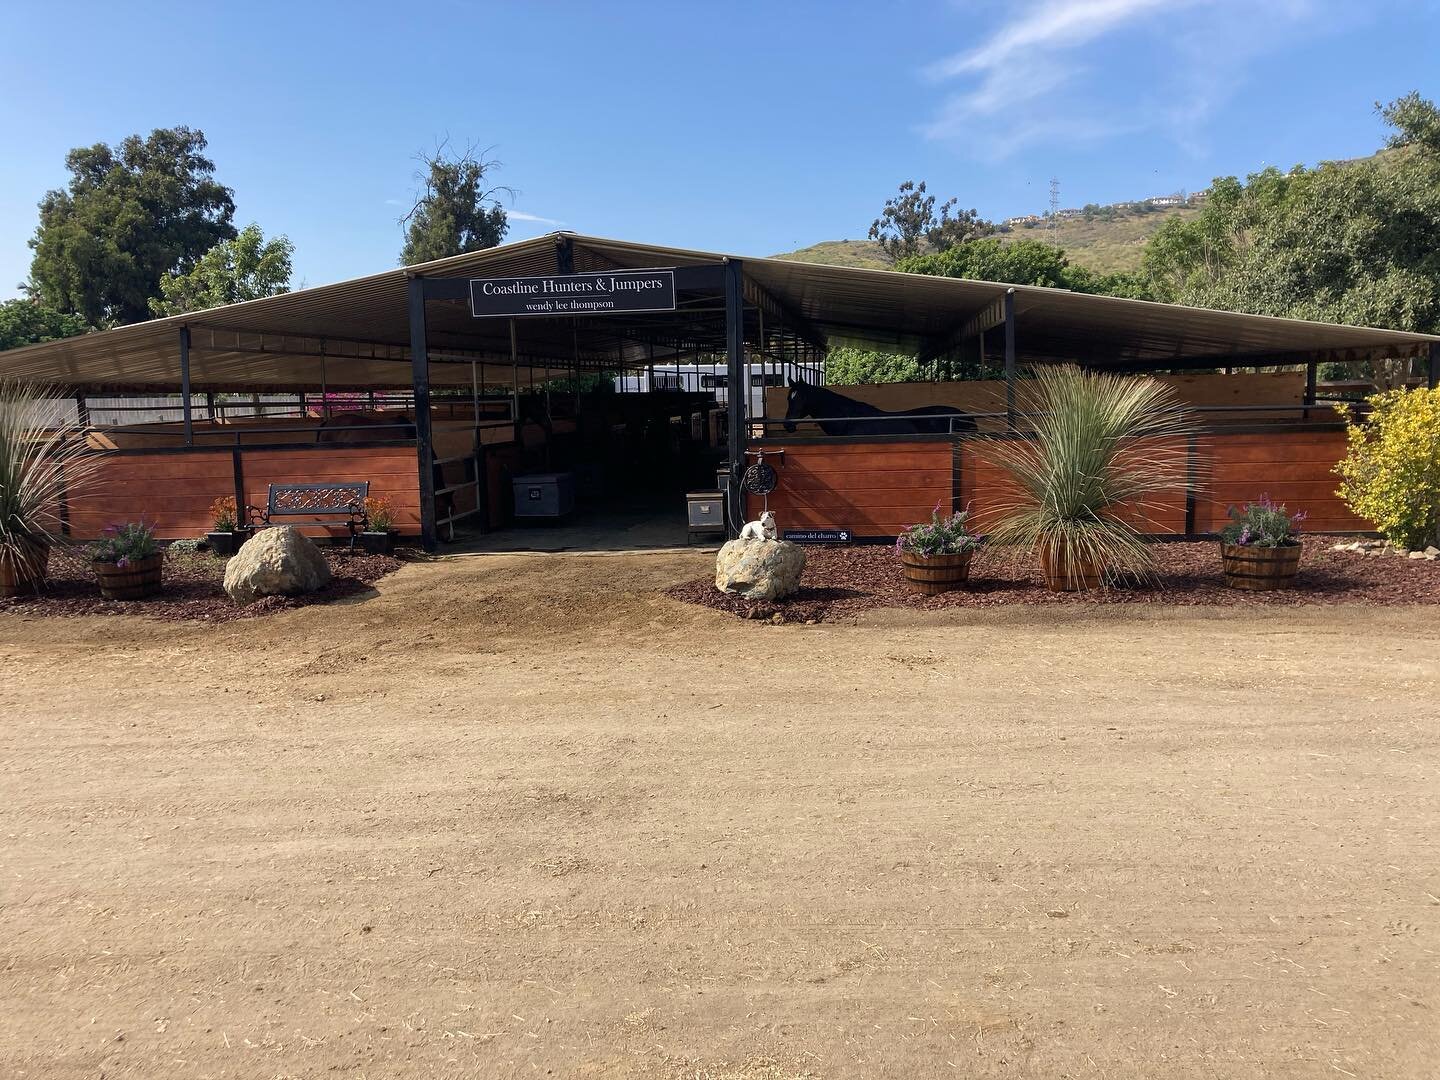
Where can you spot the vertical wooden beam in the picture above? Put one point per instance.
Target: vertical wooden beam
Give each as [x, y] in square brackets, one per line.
[420, 383]
[1010, 358]
[1312, 370]
[185, 385]
[1432, 371]
[82, 408]
[735, 399]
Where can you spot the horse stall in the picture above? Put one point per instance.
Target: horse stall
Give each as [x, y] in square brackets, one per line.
[648, 377]
[1258, 436]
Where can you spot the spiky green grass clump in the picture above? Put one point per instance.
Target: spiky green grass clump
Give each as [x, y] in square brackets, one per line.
[43, 460]
[1088, 482]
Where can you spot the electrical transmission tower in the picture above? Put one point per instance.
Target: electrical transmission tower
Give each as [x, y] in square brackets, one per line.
[1054, 202]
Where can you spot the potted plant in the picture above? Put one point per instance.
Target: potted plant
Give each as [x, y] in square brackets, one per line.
[44, 464]
[227, 534]
[936, 553]
[378, 537]
[1105, 451]
[128, 561]
[1260, 548]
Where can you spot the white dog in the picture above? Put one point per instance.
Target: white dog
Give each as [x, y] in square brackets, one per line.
[764, 529]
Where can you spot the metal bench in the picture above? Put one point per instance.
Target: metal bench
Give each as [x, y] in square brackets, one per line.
[324, 504]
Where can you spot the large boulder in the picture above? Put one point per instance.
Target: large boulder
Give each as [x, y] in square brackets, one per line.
[275, 562]
[759, 569]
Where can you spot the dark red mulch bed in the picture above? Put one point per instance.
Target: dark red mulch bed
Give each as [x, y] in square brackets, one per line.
[844, 581]
[193, 589]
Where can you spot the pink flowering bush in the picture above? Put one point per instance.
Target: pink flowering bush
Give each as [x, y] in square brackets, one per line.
[125, 543]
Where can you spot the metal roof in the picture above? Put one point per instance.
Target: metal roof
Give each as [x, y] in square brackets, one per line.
[356, 333]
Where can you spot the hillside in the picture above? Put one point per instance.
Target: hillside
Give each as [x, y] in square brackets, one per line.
[1103, 246]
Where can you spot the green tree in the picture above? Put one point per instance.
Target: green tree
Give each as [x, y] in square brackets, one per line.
[128, 216]
[1021, 262]
[245, 268]
[848, 366]
[26, 321]
[908, 224]
[456, 212]
[1355, 242]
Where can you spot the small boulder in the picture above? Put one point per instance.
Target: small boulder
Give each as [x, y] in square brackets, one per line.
[1418, 555]
[759, 569]
[275, 562]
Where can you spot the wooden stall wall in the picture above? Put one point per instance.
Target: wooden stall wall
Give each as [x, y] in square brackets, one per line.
[175, 489]
[876, 489]
[1295, 468]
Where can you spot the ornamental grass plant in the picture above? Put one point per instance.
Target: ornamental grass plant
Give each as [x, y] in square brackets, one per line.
[1108, 454]
[43, 462]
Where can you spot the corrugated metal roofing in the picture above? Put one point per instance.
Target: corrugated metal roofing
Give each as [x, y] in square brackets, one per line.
[362, 326]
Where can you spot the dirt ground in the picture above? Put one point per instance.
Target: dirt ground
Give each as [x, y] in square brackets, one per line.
[527, 816]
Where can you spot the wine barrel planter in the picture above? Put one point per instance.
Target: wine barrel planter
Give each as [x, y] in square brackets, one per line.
[1079, 576]
[935, 574]
[24, 572]
[136, 580]
[1259, 569]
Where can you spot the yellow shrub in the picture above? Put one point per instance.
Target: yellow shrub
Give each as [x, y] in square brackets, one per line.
[1391, 471]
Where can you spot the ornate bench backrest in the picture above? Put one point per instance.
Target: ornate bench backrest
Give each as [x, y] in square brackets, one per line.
[312, 499]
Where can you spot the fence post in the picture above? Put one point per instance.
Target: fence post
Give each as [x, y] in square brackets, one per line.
[736, 392]
[185, 385]
[420, 383]
[1192, 473]
[1010, 358]
[242, 513]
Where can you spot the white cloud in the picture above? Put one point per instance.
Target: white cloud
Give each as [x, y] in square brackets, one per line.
[1055, 24]
[1035, 77]
[521, 215]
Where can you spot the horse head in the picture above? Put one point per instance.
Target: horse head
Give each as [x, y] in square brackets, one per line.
[797, 403]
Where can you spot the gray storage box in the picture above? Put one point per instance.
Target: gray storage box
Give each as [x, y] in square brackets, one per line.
[544, 495]
[705, 512]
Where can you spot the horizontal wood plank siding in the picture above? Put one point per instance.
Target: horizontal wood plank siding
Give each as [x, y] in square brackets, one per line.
[1295, 468]
[877, 489]
[175, 490]
[872, 489]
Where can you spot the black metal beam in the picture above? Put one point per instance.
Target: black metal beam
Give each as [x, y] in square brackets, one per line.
[237, 469]
[1244, 360]
[444, 288]
[185, 385]
[736, 390]
[420, 384]
[1010, 358]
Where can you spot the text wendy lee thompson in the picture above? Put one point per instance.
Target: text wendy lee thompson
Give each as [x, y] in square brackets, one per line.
[574, 294]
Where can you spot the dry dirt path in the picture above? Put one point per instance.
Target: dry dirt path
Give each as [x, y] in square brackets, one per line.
[522, 816]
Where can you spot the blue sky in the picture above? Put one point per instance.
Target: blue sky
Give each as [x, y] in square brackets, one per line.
[748, 128]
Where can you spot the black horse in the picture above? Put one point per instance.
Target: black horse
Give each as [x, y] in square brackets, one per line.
[806, 399]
